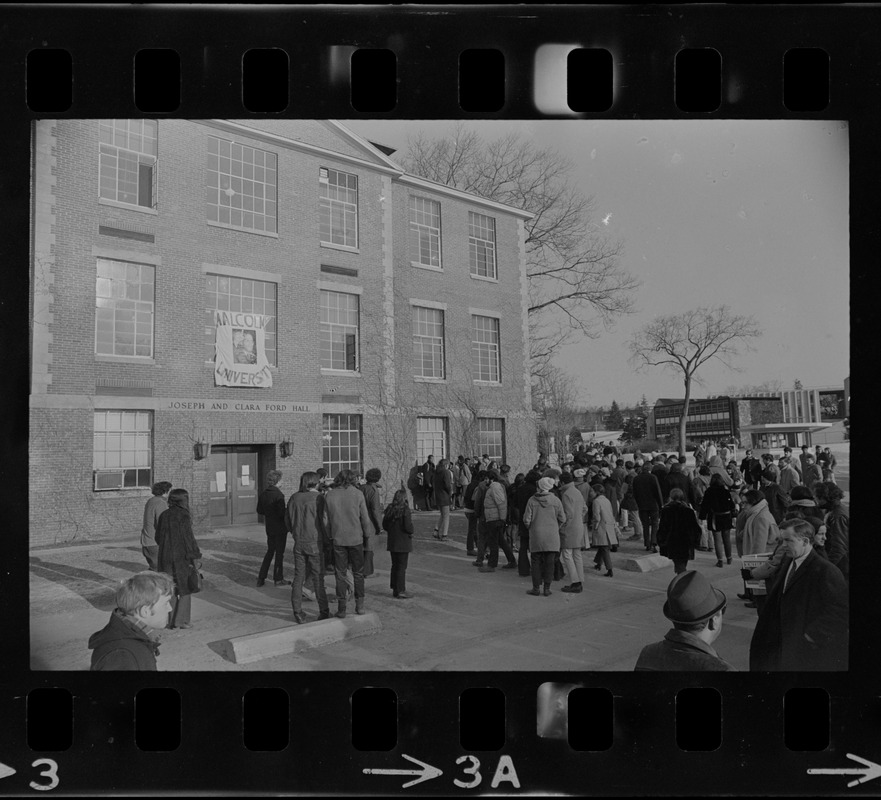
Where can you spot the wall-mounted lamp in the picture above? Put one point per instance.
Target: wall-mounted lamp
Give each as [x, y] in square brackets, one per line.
[200, 450]
[286, 448]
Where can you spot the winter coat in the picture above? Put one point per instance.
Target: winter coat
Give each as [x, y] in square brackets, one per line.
[370, 491]
[628, 501]
[305, 518]
[789, 477]
[572, 531]
[610, 486]
[443, 487]
[495, 502]
[661, 472]
[647, 492]
[760, 532]
[400, 531]
[679, 532]
[700, 484]
[717, 508]
[680, 651]
[271, 506]
[815, 605]
[838, 540]
[543, 517]
[152, 509]
[120, 645]
[677, 479]
[716, 468]
[774, 499]
[177, 546]
[812, 474]
[602, 526]
[463, 478]
[347, 519]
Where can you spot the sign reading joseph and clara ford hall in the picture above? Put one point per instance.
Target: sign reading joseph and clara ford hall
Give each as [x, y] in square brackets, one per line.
[240, 350]
[260, 406]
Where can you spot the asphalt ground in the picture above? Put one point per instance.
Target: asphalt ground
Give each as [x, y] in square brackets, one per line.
[458, 618]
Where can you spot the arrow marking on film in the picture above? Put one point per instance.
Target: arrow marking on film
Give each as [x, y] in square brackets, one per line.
[5, 771]
[869, 772]
[425, 774]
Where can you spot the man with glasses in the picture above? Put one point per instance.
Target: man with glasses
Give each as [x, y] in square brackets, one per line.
[695, 607]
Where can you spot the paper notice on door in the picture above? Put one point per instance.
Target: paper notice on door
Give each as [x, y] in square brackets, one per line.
[221, 481]
[246, 469]
[213, 487]
[246, 481]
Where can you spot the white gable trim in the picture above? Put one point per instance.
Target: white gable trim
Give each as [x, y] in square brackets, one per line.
[440, 188]
[338, 127]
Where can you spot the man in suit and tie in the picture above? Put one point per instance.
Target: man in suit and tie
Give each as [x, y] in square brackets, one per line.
[804, 624]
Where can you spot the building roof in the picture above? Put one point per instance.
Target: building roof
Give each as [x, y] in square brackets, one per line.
[786, 427]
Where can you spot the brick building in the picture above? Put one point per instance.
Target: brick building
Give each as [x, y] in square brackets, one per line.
[266, 294]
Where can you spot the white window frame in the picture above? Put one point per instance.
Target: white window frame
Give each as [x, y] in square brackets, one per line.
[421, 232]
[432, 435]
[129, 141]
[423, 339]
[331, 426]
[329, 328]
[335, 198]
[257, 306]
[117, 294]
[482, 242]
[131, 430]
[481, 348]
[241, 183]
[486, 447]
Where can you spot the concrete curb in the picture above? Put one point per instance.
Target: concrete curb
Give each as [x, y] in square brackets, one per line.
[647, 563]
[296, 638]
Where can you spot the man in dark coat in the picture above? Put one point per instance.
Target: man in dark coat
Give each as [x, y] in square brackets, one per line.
[660, 470]
[427, 470]
[271, 505]
[804, 625]
[751, 469]
[695, 608]
[679, 532]
[647, 492]
[677, 479]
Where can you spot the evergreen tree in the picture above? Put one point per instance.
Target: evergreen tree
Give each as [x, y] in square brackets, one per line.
[615, 419]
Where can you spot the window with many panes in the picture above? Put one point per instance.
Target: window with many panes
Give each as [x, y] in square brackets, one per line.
[241, 186]
[431, 438]
[491, 438]
[338, 207]
[482, 245]
[127, 161]
[428, 342]
[338, 338]
[224, 293]
[485, 348]
[124, 295]
[341, 442]
[425, 232]
[123, 450]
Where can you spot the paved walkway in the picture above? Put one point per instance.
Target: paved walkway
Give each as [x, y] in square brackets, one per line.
[458, 619]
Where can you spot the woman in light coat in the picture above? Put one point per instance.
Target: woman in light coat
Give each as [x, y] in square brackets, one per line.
[602, 532]
[572, 533]
[718, 468]
[760, 531]
[543, 517]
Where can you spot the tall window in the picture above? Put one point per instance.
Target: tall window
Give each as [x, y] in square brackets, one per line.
[425, 231]
[338, 209]
[122, 452]
[431, 438]
[241, 186]
[339, 331]
[341, 442]
[428, 342]
[124, 309]
[223, 293]
[126, 161]
[482, 245]
[491, 438]
[485, 348]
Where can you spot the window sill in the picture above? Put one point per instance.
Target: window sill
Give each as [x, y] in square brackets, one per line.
[419, 379]
[266, 234]
[343, 247]
[484, 278]
[426, 266]
[341, 372]
[150, 362]
[135, 491]
[103, 201]
[488, 383]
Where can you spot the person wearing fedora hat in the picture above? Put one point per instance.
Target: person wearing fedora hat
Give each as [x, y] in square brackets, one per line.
[695, 607]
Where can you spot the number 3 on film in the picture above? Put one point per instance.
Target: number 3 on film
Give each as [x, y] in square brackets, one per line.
[504, 772]
[51, 772]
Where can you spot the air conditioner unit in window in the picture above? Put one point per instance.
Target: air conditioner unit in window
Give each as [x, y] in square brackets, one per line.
[108, 479]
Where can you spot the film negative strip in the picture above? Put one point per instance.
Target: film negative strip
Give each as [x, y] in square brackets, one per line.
[247, 164]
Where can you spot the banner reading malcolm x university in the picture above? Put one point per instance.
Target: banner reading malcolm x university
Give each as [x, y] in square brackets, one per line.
[240, 350]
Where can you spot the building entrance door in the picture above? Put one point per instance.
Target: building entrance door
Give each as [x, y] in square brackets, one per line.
[233, 485]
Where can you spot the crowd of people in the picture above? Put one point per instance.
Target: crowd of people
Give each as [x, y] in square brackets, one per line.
[543, 521]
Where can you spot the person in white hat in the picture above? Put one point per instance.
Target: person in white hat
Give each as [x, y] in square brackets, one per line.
[695, 607]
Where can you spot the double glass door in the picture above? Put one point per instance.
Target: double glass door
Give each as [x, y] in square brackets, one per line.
[233, 485]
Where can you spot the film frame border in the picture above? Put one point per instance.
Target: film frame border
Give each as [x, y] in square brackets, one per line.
[751, 41]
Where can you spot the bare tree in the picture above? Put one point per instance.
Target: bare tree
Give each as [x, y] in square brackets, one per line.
[576, 285]
[554, 402]
[682, 343]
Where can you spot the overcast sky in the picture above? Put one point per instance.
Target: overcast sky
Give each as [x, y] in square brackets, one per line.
[745, 212]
